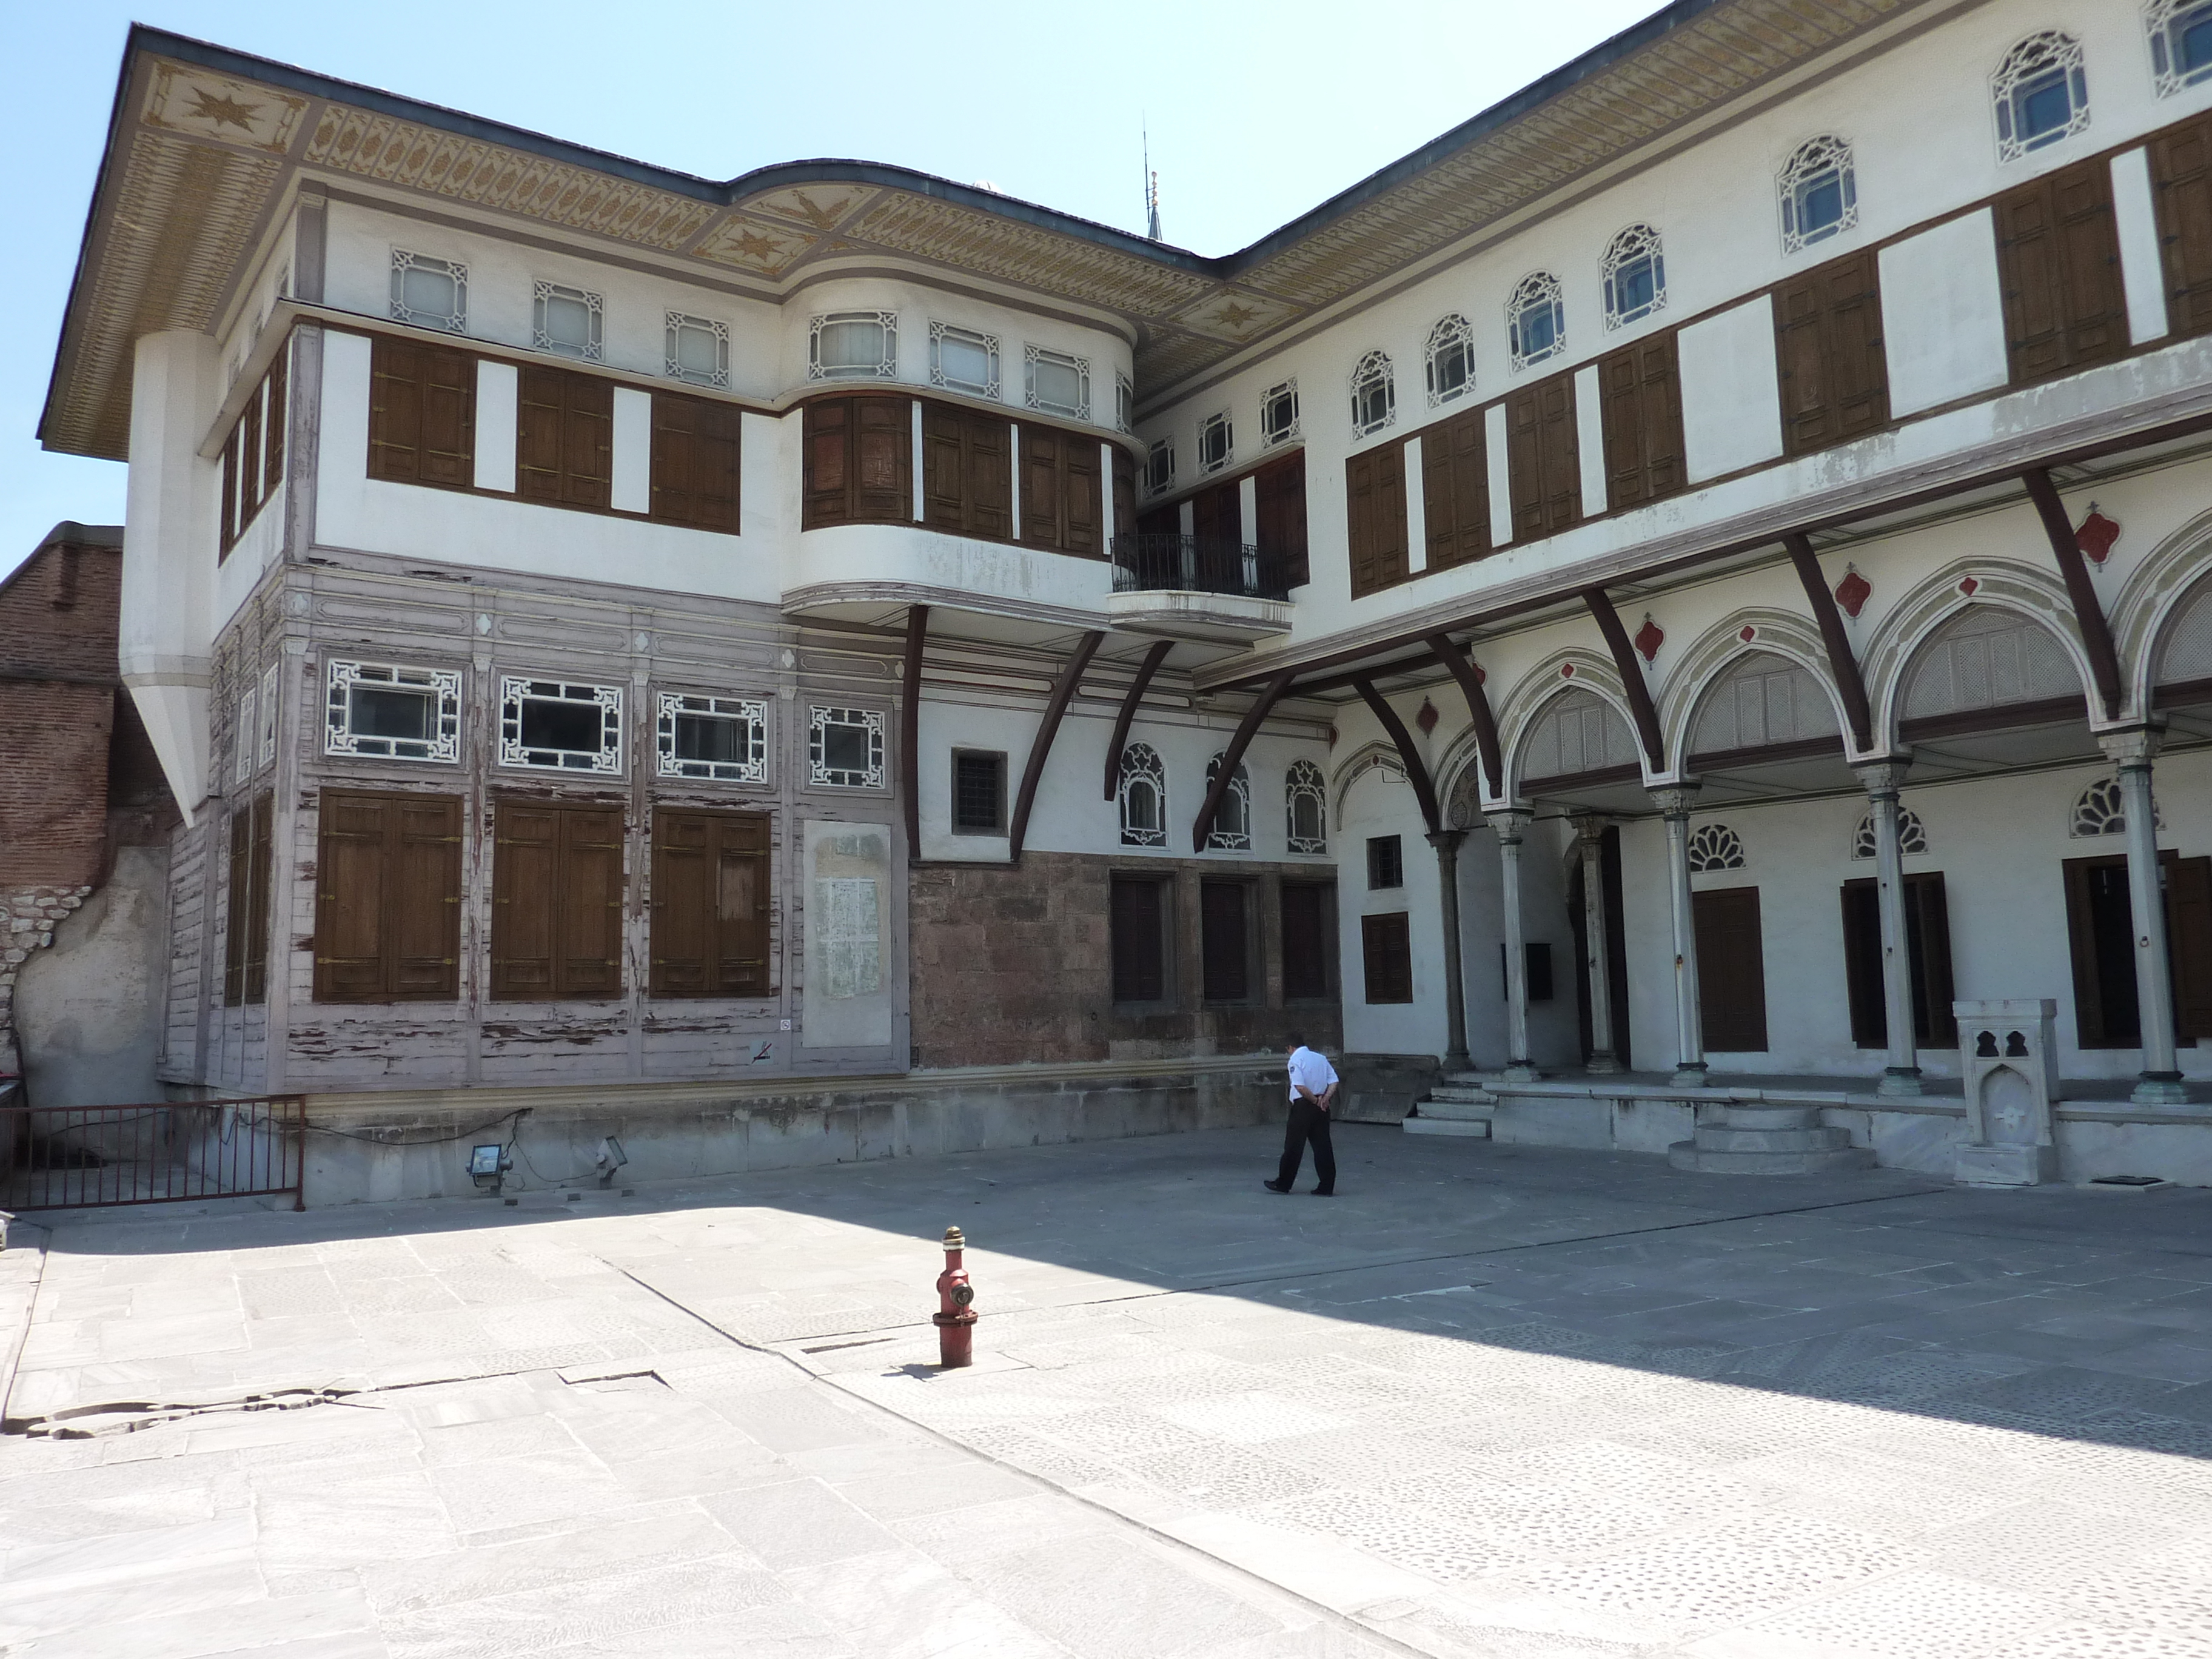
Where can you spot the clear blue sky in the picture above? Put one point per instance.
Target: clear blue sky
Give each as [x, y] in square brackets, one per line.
[1256, 113]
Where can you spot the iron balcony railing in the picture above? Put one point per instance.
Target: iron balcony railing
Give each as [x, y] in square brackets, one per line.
[55, 1157]
[1154, 562]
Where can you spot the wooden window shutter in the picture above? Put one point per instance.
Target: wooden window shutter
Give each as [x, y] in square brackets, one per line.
[2181, 179]
[538, 434]
[742, 964]
[1281, 491]
[526, 902]
[395, 409]
[239, 904]
[425, 899]
[227, 509]
[1731, 970]
[1386, 953]
[1375, 490]
[1543, 458]
[448, 425]
[1827, 333]
[986, 440]
[1862, 962]
[1359, 526]
[263, 814]
[1640, 398]
[882, 482]
[2058, 264]
[564, 437]
[694, 462]
[1044, 473]
[1081, 507]
[945, 468]
[1305, 940]
[272, 464]
[682, 869]
[1221, 919]
[388, 898]
[1138, 940]
[253, 489]
[1125, 495]
[352, 880]
[829, 469]
[589, 917]
[1218, 514]
[2189, 942]
[1455, 490]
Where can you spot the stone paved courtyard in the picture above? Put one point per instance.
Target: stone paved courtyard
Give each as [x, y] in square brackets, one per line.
[1489, 1402]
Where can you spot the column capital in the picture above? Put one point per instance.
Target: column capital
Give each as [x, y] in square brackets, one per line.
[1885, 776]
[1590, 825]
[1508, 823]
[2134, 746]
[1677, 801]
[1446, 840]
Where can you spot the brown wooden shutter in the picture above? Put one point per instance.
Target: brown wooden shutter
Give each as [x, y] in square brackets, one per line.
[2181, 179]
[395, 409]
[424, 931]
[829, 469]
[1455, 490]
[1862, 978]
[448, 426]
[226, 508]
[1082, 518]
[1044, 453]
[526, 900]
[1731, 970]
[2058, 263]
[1543, 457]
[352, 878]
[1640, 396]
[990, 475]
[883, 480]
[538, 435]
[683, 872]
[272, 464]
[2189, 944]
[1827, 332]
[742, 963]
[1139, 960]
[257, 901]
[694, 462]
[1125, 498]
[1221, 921]
[252, 490]
[1927, 940]
[388, 896]
[1305, 940]
[1375, 491]
[1386, 952]
[1280, 490]
[564, 437]
[238, 905]
[590, 903]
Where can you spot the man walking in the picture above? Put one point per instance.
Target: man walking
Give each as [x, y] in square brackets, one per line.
[1313, 1092]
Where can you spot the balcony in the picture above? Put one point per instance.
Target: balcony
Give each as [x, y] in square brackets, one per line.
[1199, 588]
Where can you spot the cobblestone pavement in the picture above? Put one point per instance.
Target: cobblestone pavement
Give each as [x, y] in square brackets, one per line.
[1488, 1401]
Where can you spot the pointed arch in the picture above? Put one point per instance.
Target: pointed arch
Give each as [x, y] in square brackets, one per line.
[2035, 594]
[1773, 633]
[1377, 754]
[2164, 583]
[1525, 705]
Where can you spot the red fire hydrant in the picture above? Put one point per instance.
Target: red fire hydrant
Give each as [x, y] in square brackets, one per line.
[955, 1317]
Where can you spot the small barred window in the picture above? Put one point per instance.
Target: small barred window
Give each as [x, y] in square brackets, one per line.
[1232, 832]
[1374, 395]
[853, 345]
[2180, 43]
[1635, 276]
[1159, 467]
[962, 360]
[1278, 414]
[1216, 443]
[566, 321]
[1058, 384]
[2042, 93]
[1536, 320]
[1125, 403]
[1450, 369]
[698, 351]
[1819, 192]
[1143, 797]
[1305, 808]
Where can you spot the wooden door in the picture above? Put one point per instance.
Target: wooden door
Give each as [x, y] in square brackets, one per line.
[1731, 970]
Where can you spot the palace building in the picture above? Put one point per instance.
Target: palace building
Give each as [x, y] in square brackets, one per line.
[1678, 616]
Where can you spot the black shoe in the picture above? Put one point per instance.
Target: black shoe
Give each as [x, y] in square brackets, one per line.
[1276, 1186]
[1324, 1192]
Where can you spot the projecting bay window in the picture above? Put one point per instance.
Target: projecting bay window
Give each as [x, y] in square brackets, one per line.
[556, 902]
[388, 898]
[724, 739]
[253, 457]
[383, 711]
[245, 941]
[710, 904]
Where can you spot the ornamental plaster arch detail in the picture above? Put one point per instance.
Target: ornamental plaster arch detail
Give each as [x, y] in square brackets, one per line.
[1458, 771]
[1369, 758]
[1775, 633]
[1897, 639]
[1548, 680]
[2149, 600]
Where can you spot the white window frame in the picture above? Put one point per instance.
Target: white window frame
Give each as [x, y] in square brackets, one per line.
[669, 705]
[988, 343]
[1159, 480]
[1218, 839]
[1305, 781]
[1537, 288]
[515, 690]
[244, 731]
[266, 743]
[1634, 242]
[1285, 392]
[1032, 354]
[1141, 762]
[1451, 330]
[884, 368]
[719, 376]
[821, 776]
[442, 685]
[1807, 164]
[2030, 59]
[1370, 370]
[1714, 847]
[594, 306]
[2160, 18]
[453, 322]
[1125, 403]
[1212, 425]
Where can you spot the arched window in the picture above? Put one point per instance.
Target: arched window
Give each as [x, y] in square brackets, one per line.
[1374, 395]
[1143, 797]
[1451, 357]
[1635, 276]
[1819, 192]
[1305, 808]
[1577, 732]
[1232, 819]
[2102, 810]
[1988, 657]
[2042, 93]
[1763, 701]
[2180, 43]
[1912, 834]
[1715, 846]
[1536, 320]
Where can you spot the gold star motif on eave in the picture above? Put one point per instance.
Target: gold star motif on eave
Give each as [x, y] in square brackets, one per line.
[1236, 316]
[751, 245]
[223, 112]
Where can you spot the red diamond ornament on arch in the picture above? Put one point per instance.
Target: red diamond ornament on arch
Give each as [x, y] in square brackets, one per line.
[1853, 591]
[1649, 638]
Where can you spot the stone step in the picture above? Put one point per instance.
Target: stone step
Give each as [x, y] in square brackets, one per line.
[1763, 1116]
[1477, 1127]
[1726, 1138]
[1466, 1092]
[1688, 1155]
[1458, 1111]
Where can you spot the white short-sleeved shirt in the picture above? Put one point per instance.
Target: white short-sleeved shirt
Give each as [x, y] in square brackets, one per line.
[1311, 1069]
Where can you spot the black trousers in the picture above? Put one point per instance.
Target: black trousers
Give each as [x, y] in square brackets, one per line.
[1308, 1122]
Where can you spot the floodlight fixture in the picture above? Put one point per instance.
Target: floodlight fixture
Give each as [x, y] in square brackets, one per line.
[610, 1158]
[488, 1167]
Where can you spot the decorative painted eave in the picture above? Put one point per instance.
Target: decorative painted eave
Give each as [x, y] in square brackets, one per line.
[205, 145]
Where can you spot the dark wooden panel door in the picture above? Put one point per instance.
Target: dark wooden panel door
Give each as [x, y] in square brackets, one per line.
[1082, 523]
[2189, 941]
[883, 480]
[1386, 957]
[1218, 514]
[682, 904]
[1731, 970]
[1222, 919]
[2058, 259]
[1640, 396]
[448, 421]
[1043, 466]
[1125, 495]
[2181, 177]
[258, 853]
[387, 897]
[1305, 908]
[1139, 941]
[1455, 490]
[236, 906]
[589, 907]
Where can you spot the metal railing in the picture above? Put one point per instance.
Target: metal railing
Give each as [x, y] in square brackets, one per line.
[1153, 561]
[65, 1158]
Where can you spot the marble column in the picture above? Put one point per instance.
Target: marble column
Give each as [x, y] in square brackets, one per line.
[2160, 1081]
[1595, 955]
[1510, 825]
[1447, 843]
[1674, 805]
[1901, 1073]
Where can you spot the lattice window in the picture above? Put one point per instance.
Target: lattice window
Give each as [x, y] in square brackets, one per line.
[725, 738]
[1232, 819]
[1125, 403]
[2180, 43]
[853, 345]
[845, 748]
[1216, 442]
[1305, 808]
[1057, 383]
[265, 739]
[1987, 657]
[566, 321]
[1819, 192]
[1278, 414]
[1536, 320]
[1160, 467]
[557, 726]
[963, 359]
[1373, 394]
[698, 351]
[1912, 834]
[244, 728]
[1143, 797]
[429, 293]
[382, 711]
[1715, 846]
[1635, 270]
[2042, 93]
[1449, 359]
[2102, 810]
